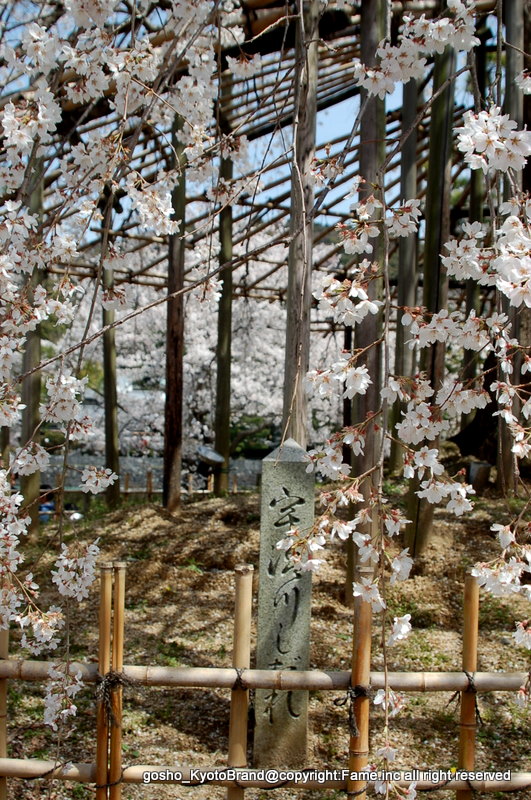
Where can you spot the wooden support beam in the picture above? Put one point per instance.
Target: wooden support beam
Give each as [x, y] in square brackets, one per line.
[173, 410]
[299, 298]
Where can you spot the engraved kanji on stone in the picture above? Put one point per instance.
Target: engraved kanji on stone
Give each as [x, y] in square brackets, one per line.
[283, 607]
[286, 504]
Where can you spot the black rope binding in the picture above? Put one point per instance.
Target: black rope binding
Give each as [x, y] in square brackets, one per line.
[352, 693]
[57, 767]
[239, 683]
[470, 688]
[112, 783]
[105, 686]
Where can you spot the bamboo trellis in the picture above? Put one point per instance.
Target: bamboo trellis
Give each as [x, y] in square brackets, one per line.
[109, 774]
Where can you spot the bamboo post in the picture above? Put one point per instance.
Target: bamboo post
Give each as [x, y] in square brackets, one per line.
[149, 484]
[104, 658]
[127, 480]
[361, 676]
[234, 484]
[467, 724]
[115, 752]
[4, 654]
[241, 659]
[210, 483]
[190, 483]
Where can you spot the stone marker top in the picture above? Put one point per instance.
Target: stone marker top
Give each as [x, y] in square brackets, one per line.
[290, 451]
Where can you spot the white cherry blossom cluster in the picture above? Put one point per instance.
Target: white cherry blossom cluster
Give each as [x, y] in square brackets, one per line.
[347, 301]
[467, 259]
[504, 576]
[472, 333]
[513, 261]
[490, 141]
[418, 38]
[61, 688]
[404, 219]
[74, 574]
[400, 630]
[29, 459]
[153, 204]
[523, 81]
[326, 169]
[18, 595]
[245, 66]
[97, 479]
[354, 379]
[400, 221]
[393, 701]
[64, 396]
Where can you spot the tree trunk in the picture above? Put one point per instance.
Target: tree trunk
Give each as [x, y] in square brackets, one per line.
[112, 443]
[407, 258]
[173, 411]
[434, 276]
[30, 394]
[299, 294]
[30, 397]
[507, 479]
[372, 155]
[223, 348]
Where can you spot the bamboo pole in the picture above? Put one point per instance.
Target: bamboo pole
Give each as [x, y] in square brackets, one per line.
[85, 773]
[289, 680]
[467, 724]
[361, 677]
[115, 753]
[104, 659]
[149, 484]
[241, 659]
[4, 653]
[127, 481]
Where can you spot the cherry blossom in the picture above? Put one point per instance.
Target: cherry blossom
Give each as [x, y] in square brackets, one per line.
[522, 634]
[490, 141]
[74, 574]
[369, 592]
[60, 689]
[523, 81]
[391, 700]
[401, 629]
[96, 479]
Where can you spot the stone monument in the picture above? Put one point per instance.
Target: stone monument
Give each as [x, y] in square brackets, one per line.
[283, 640]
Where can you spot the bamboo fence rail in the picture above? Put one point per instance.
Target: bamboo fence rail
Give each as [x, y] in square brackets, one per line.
[289, 680]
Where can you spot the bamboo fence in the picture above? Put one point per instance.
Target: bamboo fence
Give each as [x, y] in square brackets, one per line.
[108, 773]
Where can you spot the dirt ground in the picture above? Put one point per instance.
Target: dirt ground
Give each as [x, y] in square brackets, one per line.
[179, 612]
